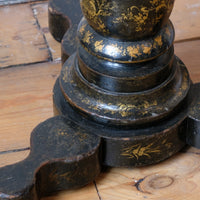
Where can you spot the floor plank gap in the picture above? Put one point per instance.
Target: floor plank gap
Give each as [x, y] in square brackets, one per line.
[97, 190]
[14, 2]
[14, 151]
[187, 40]
[39, 27]
[25, 64]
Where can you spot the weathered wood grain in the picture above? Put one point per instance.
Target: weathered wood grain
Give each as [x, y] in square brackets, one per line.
[189, 53]
[185, 17]
[41, 13]
[12, 157]
[87, 193]
[25, 100]
[8, 2]
[21, 42]
[177, 179]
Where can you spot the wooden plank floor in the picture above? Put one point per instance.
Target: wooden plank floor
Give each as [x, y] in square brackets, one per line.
[21, 42]
[9, 2]
[29, 66]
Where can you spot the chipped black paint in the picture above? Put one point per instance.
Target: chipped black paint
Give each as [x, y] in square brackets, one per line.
[63, 156]
[64, 16]
[193, 131]
[156, 142]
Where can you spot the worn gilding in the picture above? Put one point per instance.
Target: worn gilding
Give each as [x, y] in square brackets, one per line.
[125, 51]
[133, 108]
[128, 20]
[150, 144]
[139, 150]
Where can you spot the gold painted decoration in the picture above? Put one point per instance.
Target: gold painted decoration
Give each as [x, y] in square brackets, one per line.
[132, 19]
[138, 150]
[123, 51]
[140, 15]
[95, 9]
[130, 108]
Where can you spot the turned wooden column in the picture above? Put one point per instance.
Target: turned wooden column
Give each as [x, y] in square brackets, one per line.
[124, 81]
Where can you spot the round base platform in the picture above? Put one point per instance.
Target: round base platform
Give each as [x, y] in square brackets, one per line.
[132, 146]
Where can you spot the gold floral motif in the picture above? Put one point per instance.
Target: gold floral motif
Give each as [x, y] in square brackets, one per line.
[55, 176]
[168, 32]
[138, 150]
[96, 9]
[81, 136]
[147, 49]
[134, 52]
[62, 133]
[124, 109]
[140, 15]
[147, 105]
[114, 49]
[65, 75]
[82, 29]
[158, 40]
[88, 36]
[159, 4]
[99, 46]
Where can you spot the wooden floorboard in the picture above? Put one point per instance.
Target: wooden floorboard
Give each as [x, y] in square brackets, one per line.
[13, 157]
[185, 17]
[10, 2]
[21, 42]
[175, 179]
[189, 53]
[86, 193]
[25, 101]
[41, 13]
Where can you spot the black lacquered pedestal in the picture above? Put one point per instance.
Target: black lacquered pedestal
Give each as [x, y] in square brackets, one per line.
[123, 98]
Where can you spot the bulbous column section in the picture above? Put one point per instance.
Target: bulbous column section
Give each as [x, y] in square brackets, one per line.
[129, 20]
